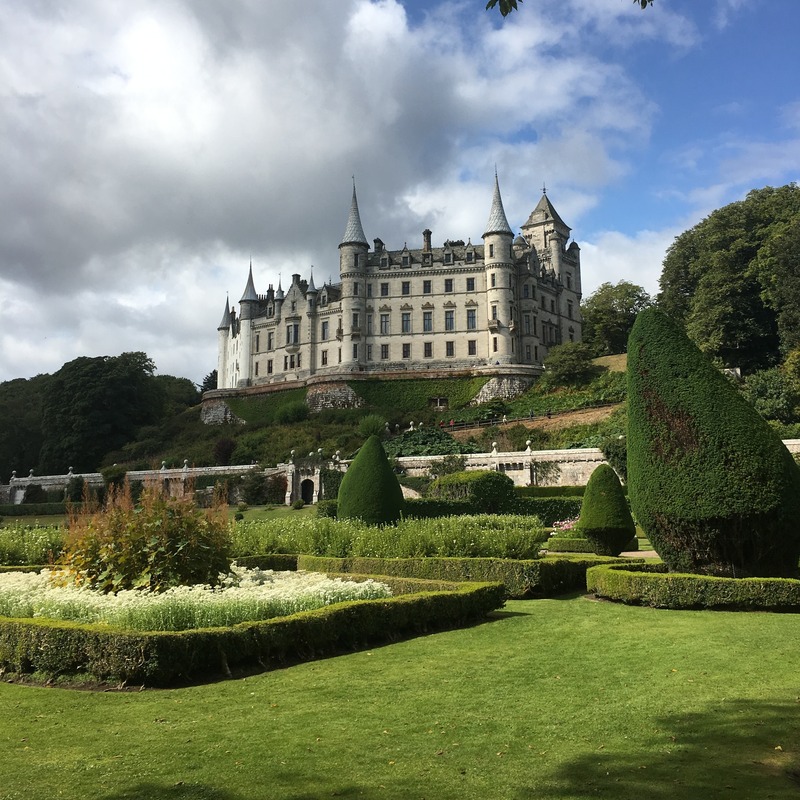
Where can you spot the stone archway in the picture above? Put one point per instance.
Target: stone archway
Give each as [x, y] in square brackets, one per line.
[307, 491]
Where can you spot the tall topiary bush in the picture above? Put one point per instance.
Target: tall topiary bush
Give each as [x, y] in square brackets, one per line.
[605, 519]
[369, 490]
[713, 487]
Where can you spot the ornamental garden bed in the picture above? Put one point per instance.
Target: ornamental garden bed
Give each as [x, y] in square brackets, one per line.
[120, 655]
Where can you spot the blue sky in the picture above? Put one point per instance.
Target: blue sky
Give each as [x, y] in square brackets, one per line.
[150, 150]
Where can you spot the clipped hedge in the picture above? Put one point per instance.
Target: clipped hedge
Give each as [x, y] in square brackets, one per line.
[33, 510]
[605, 518]
[432, 507]
[549, 509]
[543, 577]
[488, 492]
[549, 491]
[165, 658]
[279, 562]
[563, 544]
[651, 585]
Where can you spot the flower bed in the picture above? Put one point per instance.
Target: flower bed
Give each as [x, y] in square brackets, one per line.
[244, 595]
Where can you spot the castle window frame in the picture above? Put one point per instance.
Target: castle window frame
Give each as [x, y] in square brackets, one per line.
[526, 290]
[369, 352]
[470, 284]
[324, 358]
[384, 290]
[427, 321]
[569, 309]
[384, 352]
[449, 349]
[472, 319]
[493, 280]
[256, 367]
[405, 322]
[491, 251]
[494, 312]
[448, 285]
[405, 261]
[470, 256]
[405, 288]
[427, 349]
[569, 280]
[369, 324]
[427, 287]
[406, 350]
[270, 341]
[449, 320]
[384, 262]
[385, 325]
[258, 342]
[356, 289]
[527, 352]
[355, 352]
[448, 258]
[324, 330]
[269, 366]
[494, 344]
[369, 290]
[472, 347]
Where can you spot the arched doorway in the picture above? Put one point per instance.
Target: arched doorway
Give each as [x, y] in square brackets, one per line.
[307, 491]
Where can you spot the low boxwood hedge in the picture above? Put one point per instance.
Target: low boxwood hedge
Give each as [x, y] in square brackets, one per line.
[549, 509]
[652, 585]
[33, 510]
[549, 491]
[556, 544]
[542, 577]
[164, 658]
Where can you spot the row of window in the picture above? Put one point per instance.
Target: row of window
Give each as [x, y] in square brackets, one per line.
[530, 325]
[294, 362]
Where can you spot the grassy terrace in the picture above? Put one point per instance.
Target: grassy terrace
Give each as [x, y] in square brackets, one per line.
[563, 698]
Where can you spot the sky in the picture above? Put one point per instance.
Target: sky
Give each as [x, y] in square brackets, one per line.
[150, 150]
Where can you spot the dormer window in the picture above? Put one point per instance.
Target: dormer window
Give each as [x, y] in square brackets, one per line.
[448, 258]
[384, 262]
[406, 261]
[470, 256]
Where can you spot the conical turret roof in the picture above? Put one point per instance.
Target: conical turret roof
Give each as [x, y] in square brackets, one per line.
[249, 290]
[311, 287]
[353, 232]
[545, 207]
[226, 317]
[497, 222]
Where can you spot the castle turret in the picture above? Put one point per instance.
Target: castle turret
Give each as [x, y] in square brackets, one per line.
[499, 268]
[278, 300]
[223, 339]
[353, 252]
[548, 233]
[248, 306]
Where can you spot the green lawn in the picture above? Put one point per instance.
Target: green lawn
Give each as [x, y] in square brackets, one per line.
[564, 698]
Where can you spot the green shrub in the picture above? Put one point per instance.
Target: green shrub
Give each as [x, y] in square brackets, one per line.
[371, 425]
[369, 490]
[605, 519]
[550, 491]
[652, 585]
[426, 441]
[167, 542]
[254, 488]
[549, 509]
[290, 413]
[298, 504]
[327, 508]
[432, 507]
[571, 544]
[487, 492]
[711, 484]
[331, 480]
[34, 494]
[30, 544]
[34, 510]
[276, 490]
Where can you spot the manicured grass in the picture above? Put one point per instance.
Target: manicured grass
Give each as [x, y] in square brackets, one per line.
[44, 520]
[563, 698]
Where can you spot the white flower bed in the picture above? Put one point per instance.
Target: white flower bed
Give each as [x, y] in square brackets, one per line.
[245, 594]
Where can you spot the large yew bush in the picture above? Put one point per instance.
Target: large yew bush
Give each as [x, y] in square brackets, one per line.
[369, 490]
[605, 519]
[711, 484]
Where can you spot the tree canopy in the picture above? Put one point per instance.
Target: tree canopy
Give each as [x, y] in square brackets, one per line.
[733, 280]
[505, 7]
[608, 316]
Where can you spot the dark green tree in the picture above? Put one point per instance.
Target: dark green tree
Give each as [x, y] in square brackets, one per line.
[773, 393]
[369, 490]
[711, 484]
[178, 394]
[94, 405]
[734, 279]
[605, 519]
[21, 427]
[209, 382]
[608, 316]
[570, 364]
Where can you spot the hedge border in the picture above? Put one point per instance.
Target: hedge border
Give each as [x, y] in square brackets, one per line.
[564, 544]
[522, 579]
[651, 585]
[165, 658]
[33, 510]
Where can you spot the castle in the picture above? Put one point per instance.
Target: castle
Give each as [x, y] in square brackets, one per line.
[493, 308]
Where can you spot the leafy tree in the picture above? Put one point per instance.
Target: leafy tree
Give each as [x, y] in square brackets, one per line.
[21, 428]
[178, 394]
[711, 484]
[608, 316]
[505, 7]
[773, 393]
[94, 405]
[733, 280]
[570, 364]
[223, 450]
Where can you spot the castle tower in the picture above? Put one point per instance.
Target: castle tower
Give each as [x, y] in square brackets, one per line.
[353, 251]
[223, 339]
[499, 268]
[248, 306]
[548, 233]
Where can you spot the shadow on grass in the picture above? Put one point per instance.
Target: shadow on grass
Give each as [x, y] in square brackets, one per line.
[200, 791]
[739, 750]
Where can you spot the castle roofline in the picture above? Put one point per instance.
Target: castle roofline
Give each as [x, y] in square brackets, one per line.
[353, 232]
[497, 222]
[249, 295]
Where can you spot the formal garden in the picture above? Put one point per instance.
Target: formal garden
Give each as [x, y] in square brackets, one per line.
[477, 643]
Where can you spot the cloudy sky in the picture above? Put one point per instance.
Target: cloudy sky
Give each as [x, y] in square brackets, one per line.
[149, 149]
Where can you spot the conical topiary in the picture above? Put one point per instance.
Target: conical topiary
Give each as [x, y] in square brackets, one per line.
[605, 519]
[369, 490]
[711, 484]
